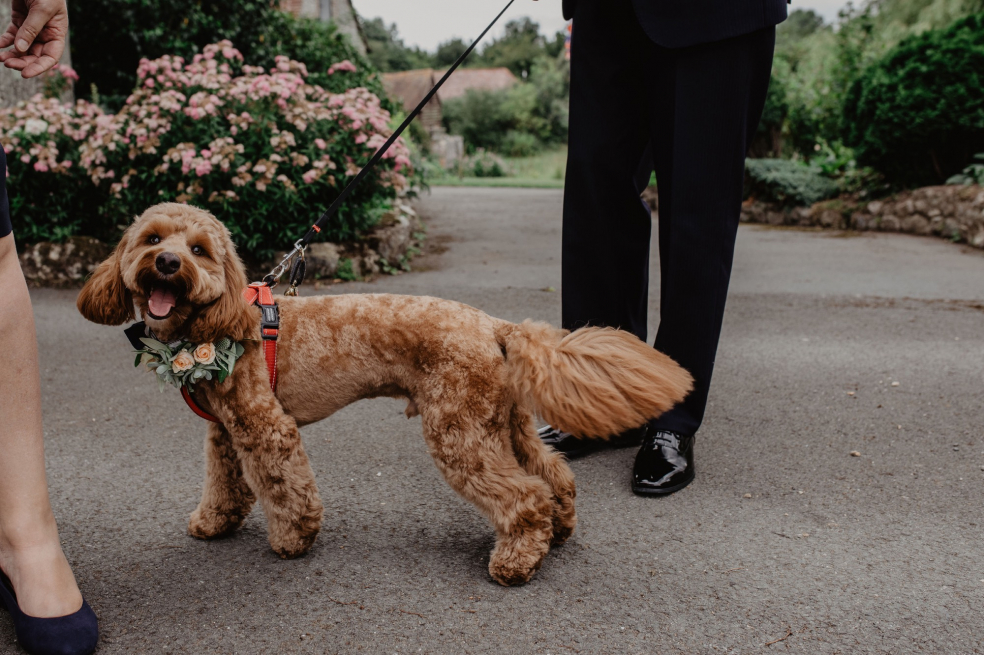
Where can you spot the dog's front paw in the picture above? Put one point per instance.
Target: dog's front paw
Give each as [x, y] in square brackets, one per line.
[208, 524]
[515, 570]
[293, 533]
[293, 545]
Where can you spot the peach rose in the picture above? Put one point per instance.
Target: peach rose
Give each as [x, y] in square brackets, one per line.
[205, 353]
[182, 361]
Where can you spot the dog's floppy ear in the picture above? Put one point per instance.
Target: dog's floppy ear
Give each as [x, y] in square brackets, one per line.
[104, 298]
[229, 316]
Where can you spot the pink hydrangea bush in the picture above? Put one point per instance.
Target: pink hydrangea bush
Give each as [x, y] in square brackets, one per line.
[51, 195]
[262, 149]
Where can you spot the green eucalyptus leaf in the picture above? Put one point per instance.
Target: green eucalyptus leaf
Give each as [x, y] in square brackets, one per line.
[153, 343]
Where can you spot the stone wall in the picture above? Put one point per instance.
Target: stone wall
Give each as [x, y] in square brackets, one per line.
[953, 212]
[14, 88]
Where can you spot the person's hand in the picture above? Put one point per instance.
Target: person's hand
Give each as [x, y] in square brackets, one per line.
[38, 29]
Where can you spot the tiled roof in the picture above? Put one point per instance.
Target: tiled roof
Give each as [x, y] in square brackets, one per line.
[465, 79]
[410, 87]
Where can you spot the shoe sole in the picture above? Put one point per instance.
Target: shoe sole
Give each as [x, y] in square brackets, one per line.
[596, 446]
[665, 491]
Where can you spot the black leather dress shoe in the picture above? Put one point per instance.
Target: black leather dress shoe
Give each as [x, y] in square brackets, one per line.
[573, 447]
[665, 464]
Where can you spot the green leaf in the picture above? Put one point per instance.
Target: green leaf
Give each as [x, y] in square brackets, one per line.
[136, 362]
[154, 343]
[222, 376]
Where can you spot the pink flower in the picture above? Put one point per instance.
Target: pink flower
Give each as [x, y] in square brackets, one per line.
[361, 138]
[149, 82]
[26, 159]
[310, 176]
[40, 167]
[203, 168]
[344, 66]
[320, 143]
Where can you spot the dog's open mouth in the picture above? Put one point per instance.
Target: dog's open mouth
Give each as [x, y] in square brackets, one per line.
[161, 301]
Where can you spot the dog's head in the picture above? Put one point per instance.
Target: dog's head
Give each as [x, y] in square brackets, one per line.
[178, 266]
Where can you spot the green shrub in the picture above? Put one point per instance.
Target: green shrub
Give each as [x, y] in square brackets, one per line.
[51, 195]
[917, 114]
[480, 117]
[973, 174]
[485, 164]
[519, 144]
[787, 182]
[537, 108]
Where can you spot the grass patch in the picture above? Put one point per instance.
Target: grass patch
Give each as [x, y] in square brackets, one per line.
[544, 171]
[498, 182]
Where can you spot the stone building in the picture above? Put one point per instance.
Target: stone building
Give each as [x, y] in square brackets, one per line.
[339, 11]
[410, 87]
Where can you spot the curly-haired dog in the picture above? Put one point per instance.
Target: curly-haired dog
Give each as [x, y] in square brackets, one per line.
[475, 381]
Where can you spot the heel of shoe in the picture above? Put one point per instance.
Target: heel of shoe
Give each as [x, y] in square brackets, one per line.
[74, 634]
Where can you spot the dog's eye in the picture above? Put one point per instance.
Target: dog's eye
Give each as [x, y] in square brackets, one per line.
[154, 239]
[198, 250]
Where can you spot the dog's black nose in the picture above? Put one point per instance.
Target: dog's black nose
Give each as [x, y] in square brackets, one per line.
[168, 263]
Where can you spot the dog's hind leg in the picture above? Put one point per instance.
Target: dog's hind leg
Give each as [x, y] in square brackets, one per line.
[482, 468]
[226, 498]
[543, 462]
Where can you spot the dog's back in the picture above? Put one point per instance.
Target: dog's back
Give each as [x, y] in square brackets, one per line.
[335, 350]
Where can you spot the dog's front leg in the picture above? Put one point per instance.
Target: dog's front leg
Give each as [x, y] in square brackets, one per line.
[276, 468]
[226, 497]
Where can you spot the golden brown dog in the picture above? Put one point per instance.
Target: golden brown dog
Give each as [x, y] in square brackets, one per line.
[474, 380]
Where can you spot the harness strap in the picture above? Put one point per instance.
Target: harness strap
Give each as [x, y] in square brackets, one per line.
[261, 295]
[190, 400]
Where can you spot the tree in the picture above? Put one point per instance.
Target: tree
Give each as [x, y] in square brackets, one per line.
[517, 48]
[387, 50]
[448, 53]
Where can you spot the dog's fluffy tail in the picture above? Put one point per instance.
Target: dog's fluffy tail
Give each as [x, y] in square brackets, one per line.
[593, 382]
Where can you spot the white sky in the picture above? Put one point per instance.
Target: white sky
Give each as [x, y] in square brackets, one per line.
[426, 23]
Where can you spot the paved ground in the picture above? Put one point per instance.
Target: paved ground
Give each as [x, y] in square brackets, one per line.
[832, 344]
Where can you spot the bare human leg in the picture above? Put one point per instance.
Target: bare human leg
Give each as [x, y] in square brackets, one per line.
[30, 553]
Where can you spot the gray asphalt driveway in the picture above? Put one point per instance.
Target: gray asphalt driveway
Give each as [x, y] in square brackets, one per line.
[785, 542]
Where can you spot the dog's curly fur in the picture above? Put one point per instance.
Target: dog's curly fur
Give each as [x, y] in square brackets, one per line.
[474, 380]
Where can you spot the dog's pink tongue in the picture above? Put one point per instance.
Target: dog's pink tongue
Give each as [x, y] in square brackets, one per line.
[161, 301]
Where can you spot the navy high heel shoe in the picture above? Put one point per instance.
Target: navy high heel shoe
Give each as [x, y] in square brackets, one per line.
[75, 634]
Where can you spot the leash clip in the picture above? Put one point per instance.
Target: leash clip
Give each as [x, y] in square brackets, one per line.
[273, 277]
[297, 271]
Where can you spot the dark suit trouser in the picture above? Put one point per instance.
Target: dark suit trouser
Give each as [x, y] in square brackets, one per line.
[688, 113]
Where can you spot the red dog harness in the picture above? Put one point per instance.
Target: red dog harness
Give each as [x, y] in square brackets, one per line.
[261, 295]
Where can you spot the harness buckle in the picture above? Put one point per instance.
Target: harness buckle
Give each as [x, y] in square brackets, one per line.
[270, 322]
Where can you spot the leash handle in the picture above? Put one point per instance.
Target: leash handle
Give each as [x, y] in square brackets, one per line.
[347, 191]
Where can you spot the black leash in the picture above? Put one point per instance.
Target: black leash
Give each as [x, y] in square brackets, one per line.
[297, 272]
